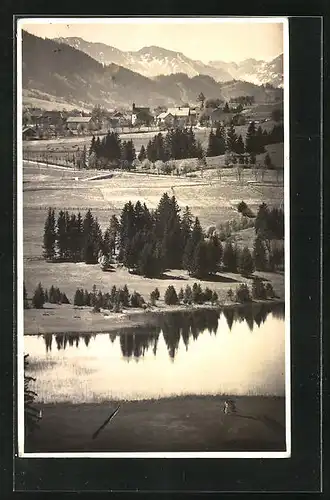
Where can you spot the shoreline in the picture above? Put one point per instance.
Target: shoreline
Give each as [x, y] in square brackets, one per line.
[129, 319]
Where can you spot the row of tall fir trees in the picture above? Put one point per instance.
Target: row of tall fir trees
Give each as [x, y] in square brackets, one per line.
[148, 242]
[178, 144]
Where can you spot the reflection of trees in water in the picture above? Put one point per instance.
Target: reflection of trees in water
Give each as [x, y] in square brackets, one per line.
[62, 339]
[229, 315]
[186, 325]
[112, 337]
[278, 310]
[253, 314]
[48, 338]
[135, 345]
[87, 339]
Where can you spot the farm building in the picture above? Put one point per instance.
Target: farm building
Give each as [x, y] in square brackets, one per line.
[80, 123]
[181, 117]
[29, 133]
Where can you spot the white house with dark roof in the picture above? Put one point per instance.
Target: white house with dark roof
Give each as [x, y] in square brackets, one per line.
[179, 116]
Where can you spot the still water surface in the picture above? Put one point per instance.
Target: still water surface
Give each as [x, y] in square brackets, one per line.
[234, 352]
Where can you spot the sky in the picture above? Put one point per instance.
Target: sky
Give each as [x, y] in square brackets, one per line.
[199, 39]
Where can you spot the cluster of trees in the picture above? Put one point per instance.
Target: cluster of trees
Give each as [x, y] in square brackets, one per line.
[269, 223]
[55, 296]
[222, 141]
[113, 301]
[72, 237]
[41, 296]
[151, 242]
[111, 151]
[269, 227]
[259, 291]
[176, 144]
[190, 295]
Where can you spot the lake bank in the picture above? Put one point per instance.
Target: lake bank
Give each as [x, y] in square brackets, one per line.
[185, 423]
[54, 319]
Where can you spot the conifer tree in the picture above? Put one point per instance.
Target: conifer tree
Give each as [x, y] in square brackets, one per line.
[231, 139]
[250, 140]
[61, 234]
[211, 148]
[49, 240]
[200, 260]
[240, 149]
[78, 298]
[143, 154]
[187, 294]
[259, 255]
[245, 262]
[89, 254]
[38, 298]
[170, 296]
[214, 254]
[197, 294]
[220, 141]
[230, 257]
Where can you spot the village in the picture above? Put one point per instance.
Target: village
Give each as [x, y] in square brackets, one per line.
[41, 124]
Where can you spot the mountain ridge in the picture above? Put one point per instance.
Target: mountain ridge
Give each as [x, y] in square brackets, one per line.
[151, 61]
[57, 69]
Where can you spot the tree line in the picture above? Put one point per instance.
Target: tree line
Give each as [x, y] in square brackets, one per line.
[227, 141]
[176, 144]
[149, 242]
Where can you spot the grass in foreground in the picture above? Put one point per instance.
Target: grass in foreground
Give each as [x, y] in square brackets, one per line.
[190, 423]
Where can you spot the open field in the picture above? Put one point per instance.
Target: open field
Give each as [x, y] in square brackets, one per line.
[211, 199]
[189, 423]
[68, 277]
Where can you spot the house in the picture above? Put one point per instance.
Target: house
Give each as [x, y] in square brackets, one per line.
[29, 133]
[120, 119]
[80, 123]
[165, 119]
[55, 118]
[179, 117]
[141, 116]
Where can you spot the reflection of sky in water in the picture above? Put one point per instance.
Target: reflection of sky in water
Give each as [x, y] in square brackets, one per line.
[239, 361]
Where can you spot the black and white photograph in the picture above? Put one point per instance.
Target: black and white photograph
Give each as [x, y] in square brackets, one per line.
[153, 237]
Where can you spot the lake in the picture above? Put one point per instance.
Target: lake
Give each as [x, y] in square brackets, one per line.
[237, 351]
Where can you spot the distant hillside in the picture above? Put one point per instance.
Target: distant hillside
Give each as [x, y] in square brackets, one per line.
[59, 71]
[182, 88]
[153, 61]
[148, 61]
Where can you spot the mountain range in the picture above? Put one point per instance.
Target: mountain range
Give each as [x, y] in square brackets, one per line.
[58, 73]
[153, 61]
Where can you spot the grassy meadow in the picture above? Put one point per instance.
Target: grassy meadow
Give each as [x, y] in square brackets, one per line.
[212, 199]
